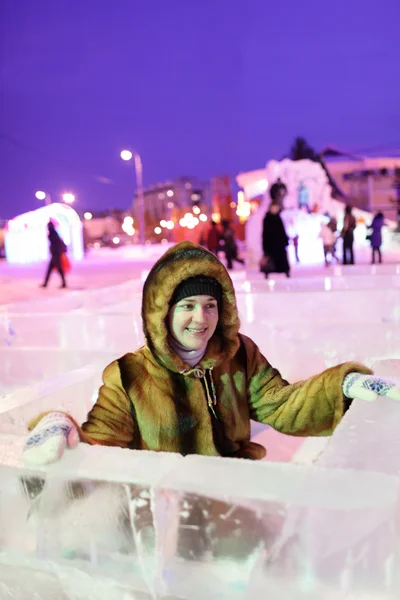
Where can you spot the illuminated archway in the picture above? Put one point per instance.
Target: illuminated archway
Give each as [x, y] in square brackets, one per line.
[26, 238]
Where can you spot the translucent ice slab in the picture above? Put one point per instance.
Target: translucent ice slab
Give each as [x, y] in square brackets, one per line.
[171, 527]
[20, 367]
[73, 392]
[70, 330]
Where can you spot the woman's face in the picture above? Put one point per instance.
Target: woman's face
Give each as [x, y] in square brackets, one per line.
[193, 320]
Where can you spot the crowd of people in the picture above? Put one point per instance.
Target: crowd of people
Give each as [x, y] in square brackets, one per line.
[274, 239]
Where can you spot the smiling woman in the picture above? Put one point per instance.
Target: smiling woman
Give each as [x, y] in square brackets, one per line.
[197, 382]
[193, 316]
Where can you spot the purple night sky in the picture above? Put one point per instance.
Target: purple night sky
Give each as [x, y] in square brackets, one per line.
[198, 87]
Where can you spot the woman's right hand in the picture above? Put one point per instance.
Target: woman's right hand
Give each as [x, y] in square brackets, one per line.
[47, 441]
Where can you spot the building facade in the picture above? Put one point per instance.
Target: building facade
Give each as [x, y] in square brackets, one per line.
[370, 184]
[169, 200]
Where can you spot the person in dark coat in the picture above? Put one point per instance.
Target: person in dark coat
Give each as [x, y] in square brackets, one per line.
[213, 238]
[349, 226]
[229, 244]
[375, 237]
[275, 242]
[277, 192]
[57, 248]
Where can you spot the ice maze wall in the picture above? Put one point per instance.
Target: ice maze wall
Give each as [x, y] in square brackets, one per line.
[318, 519]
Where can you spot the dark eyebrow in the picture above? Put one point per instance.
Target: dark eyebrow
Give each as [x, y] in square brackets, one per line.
[192, 299]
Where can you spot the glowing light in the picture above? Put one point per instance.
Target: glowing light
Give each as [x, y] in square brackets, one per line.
[182, 222]
[233, 205]
[164, 241]
[68, 198]
[188, 186]
[196, 210]
[170, 193]
[97, 245]
[126, 155]
[116, 239]
[243, 207]
[157, 230]
[203, 218]
[216, 217]
[127, 225]
[163, 223]
[195, 221]
[170, 205]
[88, 216]
[40, 195]
[170, 225]
[188, 216]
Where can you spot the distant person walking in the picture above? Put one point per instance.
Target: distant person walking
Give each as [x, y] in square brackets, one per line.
[375, 237]
[229, 244]
[349, 226]
[274, 243]
[213, 238]
[57, 248]
[328, 240]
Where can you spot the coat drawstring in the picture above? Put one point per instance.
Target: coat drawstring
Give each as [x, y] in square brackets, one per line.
[201, 373]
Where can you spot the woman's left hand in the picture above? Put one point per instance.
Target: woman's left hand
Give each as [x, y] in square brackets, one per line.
[369, 387]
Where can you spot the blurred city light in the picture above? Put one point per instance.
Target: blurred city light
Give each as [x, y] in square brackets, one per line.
[170, 225]
[116, 239]
[243, 207]
[40, 195]
[126, 155]
[68, 198]
[196, 210]
[157, 230]
[203, 218]
[170, 193]
[182, 222]
[88, 216]
[128, 220]
[163, 223]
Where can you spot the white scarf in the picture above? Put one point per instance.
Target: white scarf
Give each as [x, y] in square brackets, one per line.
[191, 357]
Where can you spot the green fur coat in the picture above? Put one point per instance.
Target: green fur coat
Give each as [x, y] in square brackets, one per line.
[150, 399]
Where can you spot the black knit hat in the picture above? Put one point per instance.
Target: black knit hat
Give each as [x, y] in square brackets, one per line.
[194, 286]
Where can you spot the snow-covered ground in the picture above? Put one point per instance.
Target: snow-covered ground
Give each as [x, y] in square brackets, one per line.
[210, 528]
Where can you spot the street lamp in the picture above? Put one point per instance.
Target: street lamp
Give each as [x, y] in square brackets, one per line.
[40, 195]
[127, 155]
[68, 198]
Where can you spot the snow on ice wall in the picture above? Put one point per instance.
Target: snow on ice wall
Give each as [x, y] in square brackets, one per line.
[163, 526]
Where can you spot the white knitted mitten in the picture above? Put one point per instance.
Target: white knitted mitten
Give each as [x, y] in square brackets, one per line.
[369, 387]
[47, 441]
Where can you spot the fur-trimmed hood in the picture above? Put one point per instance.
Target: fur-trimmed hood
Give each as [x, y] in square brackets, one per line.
[180, 262]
